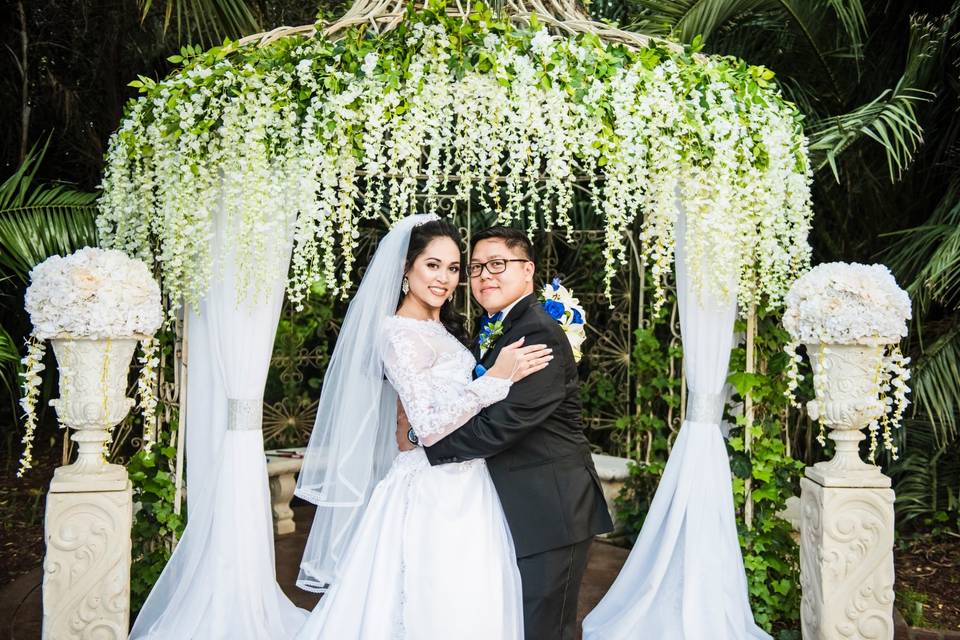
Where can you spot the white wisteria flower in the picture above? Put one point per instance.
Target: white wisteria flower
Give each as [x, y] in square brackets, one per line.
[513, 118]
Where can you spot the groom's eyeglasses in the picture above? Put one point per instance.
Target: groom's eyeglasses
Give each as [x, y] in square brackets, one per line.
[493, 267]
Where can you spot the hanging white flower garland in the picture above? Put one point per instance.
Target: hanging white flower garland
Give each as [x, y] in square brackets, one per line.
[321, 135]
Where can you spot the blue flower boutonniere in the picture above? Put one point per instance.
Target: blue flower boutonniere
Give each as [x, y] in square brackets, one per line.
[489, 333]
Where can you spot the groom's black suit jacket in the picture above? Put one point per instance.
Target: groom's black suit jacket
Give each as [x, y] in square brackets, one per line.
[534, 444]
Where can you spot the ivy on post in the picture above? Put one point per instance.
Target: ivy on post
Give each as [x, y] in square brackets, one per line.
[751, 368]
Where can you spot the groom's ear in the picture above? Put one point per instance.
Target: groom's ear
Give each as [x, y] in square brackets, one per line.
[529, 268]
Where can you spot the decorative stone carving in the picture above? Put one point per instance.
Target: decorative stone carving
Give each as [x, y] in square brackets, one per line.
[846, 507]
[846, 562]
[845, 380]
[86, 569]
[93, 386]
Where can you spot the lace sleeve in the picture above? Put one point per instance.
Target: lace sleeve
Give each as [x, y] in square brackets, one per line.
[435, 405]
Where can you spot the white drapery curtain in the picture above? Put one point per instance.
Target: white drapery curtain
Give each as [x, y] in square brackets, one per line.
[221, 580]
[684, 578]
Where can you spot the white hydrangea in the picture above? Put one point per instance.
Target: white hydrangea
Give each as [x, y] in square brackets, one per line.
[93, 293]
[841, 303]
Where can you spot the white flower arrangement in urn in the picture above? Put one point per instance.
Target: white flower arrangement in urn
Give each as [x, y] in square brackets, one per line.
[851, 317]
[94, 305]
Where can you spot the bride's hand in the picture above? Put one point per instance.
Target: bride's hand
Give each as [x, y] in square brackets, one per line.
[516, 362]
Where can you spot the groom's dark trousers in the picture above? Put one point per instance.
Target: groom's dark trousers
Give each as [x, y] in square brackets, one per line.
[540, 462]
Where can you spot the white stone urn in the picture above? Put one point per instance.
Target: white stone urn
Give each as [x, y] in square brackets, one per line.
[846, 381]
[93, 399]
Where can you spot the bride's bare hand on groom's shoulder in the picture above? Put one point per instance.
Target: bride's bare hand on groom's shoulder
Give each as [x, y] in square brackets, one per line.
[516, 361]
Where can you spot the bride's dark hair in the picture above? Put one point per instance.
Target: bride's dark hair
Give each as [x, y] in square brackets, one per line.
[420, 237]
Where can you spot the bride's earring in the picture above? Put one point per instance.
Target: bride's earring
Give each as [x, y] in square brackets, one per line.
[405, 286]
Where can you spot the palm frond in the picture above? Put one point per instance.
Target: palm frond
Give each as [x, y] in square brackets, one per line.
[927, 478]
[934, 381]
[687, 19]
[890, 119]
[40, 220]
[211, 20]
[833, 30]
[929, 255]
[817, 21]
[9, 358]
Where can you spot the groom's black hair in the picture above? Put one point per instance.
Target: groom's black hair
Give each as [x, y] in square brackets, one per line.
[513, 238]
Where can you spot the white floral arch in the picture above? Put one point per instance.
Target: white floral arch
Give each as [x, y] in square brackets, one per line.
[248, 172]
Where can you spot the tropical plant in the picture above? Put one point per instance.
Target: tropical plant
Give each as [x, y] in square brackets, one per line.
[926, 257]
[877, 88]
[211, 20]
[40, 220]
[928, 481]
[9, 357]
[860, 73]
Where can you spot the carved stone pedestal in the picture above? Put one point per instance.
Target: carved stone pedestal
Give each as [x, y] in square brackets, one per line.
[86, 570]
[846, 562]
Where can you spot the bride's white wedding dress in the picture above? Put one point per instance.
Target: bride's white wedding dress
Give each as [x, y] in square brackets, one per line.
[432, 557]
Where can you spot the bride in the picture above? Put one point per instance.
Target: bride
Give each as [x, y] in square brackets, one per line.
[399, 548]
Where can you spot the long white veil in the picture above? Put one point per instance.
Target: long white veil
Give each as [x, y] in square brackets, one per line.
[352, 444]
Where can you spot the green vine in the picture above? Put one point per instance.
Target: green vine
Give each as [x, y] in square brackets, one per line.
[771, 555]
[156, 526]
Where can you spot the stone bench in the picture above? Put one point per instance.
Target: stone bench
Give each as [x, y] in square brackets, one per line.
[284, 464]
[613, 473]
[282, 468]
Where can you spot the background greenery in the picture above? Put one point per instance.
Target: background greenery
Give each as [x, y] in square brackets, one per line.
[878, 82]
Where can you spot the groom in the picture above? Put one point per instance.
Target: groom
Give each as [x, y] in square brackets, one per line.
[533, 440]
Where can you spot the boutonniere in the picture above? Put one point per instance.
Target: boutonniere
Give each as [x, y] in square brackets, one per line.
[489, 334]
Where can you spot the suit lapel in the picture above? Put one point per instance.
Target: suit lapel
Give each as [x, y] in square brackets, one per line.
[515, 314]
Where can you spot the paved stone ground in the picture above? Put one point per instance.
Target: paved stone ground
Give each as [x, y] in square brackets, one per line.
[20, 610]
[20, 604]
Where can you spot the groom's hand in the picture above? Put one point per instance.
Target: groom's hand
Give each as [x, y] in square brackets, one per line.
[403, 425]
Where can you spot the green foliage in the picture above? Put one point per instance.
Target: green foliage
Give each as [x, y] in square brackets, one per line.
[910, 603]
[647, 435]
[155, 525]
[212, 20]
[633, 502]
[771, 556]
[301, 352]
[9, 360]
[40, 220]
[770, 553]
[927, 481]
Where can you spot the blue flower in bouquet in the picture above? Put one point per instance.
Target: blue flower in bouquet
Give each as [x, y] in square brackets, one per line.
[562, 306]
[554, 309]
